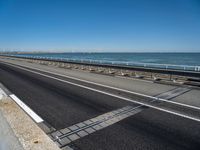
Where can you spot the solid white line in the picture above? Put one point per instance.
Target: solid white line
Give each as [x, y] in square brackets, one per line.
[115, 88]
[27, 109]
[113, 95]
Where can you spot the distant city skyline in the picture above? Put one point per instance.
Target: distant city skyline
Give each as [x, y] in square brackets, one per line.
[100, 25]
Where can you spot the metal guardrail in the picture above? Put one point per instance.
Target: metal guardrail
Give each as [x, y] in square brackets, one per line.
[181, 70]
[121, 63]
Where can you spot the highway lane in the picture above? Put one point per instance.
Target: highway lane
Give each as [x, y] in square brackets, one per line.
[180, 109]
[58, 103]
[148, 130]
[62, 105]
[142, 86]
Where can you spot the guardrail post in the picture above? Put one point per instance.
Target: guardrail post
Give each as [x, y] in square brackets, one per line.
[170, 77]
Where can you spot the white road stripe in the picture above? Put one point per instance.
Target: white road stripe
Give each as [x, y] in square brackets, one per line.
[30, 112]
[114, 88]
[113, 95]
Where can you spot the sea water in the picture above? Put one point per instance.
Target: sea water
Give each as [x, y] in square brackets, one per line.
[192, 59]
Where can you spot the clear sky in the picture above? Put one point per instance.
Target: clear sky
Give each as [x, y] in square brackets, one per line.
[101, 25]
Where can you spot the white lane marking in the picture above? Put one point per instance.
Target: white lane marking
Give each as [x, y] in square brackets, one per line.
[27, 109]
[114, 88]
[113, 95]
[2, 94]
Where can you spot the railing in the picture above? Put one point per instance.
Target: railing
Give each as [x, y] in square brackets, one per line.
[120, 63]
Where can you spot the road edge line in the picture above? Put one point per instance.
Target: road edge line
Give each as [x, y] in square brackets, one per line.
[27, 109]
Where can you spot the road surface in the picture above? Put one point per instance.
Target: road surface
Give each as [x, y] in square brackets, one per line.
[63, 104]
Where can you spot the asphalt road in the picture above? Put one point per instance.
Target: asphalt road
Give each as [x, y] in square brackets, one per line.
[62, 105]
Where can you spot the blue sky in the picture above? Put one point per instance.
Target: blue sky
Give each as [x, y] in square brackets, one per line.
[101, 25]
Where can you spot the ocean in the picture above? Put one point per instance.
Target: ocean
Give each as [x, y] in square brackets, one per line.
[191, 59]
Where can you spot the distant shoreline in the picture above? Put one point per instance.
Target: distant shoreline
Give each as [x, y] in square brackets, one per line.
[180, 59]
[42, 52]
